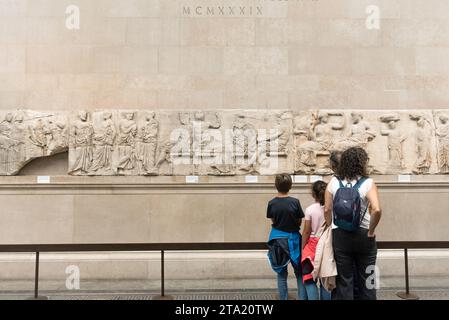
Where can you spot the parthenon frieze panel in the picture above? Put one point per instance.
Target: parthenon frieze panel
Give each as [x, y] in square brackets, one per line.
[224, 142]
[26, 135]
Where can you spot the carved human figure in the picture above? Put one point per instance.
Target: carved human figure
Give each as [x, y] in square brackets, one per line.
[9, 146]
[198, 135]
[359, 136]
[58, 135]
[184, 118]
[303, 132]
[442, 133]
[6, 143]
[320, 139]
[39, 135]
[361, 130]
[324, 130]
[103, 141]
[301, 127]
[147, 145]
[203, 129]
[395, 145]
[80, 140]
[6, 125]
[244, 135]
[165, 156]
[278, 141]
[213, 121]
[245, 144]
[423, 138]
[18, 135]
[183, 144]
[127, 143]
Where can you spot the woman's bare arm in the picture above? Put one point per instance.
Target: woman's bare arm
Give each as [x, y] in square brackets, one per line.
[376, 210]
[328, 203]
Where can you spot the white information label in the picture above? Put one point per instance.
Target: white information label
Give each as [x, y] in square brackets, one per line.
[43, 179]
[251, 179]
[300, 179]
[316, 178]
[404, 178]
[192, 179]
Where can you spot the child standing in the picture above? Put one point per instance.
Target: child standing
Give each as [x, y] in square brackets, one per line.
[314, 220]
[285, 240]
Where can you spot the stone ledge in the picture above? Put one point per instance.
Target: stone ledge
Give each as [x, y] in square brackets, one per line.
[176, 181]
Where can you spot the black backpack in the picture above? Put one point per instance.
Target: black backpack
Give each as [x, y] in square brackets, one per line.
[347, 208]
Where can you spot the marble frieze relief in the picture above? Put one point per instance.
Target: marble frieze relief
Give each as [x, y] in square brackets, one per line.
[224, 142]
[26, 135]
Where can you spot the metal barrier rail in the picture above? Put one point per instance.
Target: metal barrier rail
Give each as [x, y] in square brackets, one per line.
[222, 246]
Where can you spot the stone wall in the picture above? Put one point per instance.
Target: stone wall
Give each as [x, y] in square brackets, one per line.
[293, 54]
[166, 209]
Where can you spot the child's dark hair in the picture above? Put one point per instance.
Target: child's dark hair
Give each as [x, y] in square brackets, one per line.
[318, 191]
[283, 182]
[335, 159]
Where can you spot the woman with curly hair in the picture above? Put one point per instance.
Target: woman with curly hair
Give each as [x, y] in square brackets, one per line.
[357, 245]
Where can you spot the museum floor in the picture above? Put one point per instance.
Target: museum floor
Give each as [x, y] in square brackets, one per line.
[436, 294]
[427, 288]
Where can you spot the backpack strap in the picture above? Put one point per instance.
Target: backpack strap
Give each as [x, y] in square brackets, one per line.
[340, 182]
[359, 183]
[348, 184]
[357, 186]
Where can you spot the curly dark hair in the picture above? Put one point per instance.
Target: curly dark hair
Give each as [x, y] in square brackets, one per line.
[353, 164]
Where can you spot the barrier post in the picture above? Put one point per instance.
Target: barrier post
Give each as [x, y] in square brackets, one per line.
[407, 295]
[36, 279]
[163, 296]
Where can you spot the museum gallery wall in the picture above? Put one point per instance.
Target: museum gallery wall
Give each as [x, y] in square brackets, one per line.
[224, 142]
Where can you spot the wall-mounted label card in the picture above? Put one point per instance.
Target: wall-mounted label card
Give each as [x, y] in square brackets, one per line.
[404, 178]
[251, 179]
[316, 178]
[43, 179]
[300, 179]
[192, 179]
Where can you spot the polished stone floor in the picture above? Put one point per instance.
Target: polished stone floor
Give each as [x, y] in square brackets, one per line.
[436, 294]
[427, 288]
